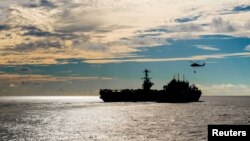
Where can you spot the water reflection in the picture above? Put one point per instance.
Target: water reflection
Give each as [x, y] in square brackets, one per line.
[87, 118]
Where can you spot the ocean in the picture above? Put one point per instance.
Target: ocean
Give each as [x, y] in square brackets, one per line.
[88, 118]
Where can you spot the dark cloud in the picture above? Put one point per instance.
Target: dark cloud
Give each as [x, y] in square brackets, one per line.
[41, 3]
[187, 19]
[47, 3]
[35, 45]
[182, 27]
[217, 36]
[188, 27]
[158, 29]
[219, 25]
[34, 31]
[28, 27]
[8, 35]
[152, 35]
[24, 70]
[4, 27]
[77, 28]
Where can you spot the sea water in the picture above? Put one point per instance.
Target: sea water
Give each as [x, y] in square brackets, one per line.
[88, 118]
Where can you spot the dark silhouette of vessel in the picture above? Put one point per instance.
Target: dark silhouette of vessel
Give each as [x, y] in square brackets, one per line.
[176, 91]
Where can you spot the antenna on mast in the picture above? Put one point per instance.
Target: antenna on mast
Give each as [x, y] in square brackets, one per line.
[147, 84]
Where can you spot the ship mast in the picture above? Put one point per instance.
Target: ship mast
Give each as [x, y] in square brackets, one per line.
[147, 84]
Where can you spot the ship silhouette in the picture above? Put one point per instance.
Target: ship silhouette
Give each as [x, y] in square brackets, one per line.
[176, 91]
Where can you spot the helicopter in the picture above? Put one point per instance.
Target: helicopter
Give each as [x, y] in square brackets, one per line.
[196, 64]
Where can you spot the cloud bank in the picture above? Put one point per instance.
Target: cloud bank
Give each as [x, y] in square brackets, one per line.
[226, 89]
[83, 29]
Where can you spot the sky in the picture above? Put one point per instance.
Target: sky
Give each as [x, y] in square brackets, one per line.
[76, 47]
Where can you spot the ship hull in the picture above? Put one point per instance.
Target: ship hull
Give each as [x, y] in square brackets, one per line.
[150, 96]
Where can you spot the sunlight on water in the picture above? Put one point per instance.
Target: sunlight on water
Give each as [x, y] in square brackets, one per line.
[88, 118]
[51, 98]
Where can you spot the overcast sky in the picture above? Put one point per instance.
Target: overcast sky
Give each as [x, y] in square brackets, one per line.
[76, 47]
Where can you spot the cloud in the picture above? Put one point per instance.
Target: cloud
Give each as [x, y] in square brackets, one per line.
[105, 29]
[35, 46]
[219, 25]
[222, 55]
[247, 25]
[47, 3]
[247, 48]
[225, 89]
[197, 57]
[204, 47]
[186, 28]
[4, 27]
[19, 16]
[24, 69]
[146, 41]
[40, 3]
[16, 78]
[34, 31]
[73, 21]
[187, 19]
[81, 27]
[16, 84]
